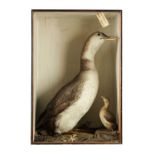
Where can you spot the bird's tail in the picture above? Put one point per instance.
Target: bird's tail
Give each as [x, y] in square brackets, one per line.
[115, 126]
[44, 126]
[40, 121]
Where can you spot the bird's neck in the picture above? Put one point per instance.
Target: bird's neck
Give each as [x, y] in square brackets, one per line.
[106, 106]
[88, 58]
[89, 52]
[87, 64]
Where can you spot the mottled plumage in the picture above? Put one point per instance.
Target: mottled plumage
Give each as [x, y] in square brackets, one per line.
[64, 98]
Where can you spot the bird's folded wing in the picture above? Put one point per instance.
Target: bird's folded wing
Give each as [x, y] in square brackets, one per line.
[68, 95]
[109, 117]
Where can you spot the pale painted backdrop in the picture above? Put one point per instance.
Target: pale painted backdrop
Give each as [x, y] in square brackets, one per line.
[58, 41]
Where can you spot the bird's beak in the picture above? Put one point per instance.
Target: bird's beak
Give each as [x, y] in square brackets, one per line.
[106, 37]
[112, 38]
[103, 98]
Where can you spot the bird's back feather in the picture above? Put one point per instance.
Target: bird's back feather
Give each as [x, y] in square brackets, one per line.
[63, 99]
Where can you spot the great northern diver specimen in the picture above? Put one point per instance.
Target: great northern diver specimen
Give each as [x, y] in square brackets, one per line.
[74, 100]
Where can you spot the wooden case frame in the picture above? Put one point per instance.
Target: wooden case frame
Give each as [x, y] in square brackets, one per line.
[119, 104]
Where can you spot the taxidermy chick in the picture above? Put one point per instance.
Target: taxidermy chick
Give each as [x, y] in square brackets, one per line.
[107, 119]
[74, 100]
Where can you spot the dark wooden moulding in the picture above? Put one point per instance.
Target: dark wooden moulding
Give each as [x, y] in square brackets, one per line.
[77, 136]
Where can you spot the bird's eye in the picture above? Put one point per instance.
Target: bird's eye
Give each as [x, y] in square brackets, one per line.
[98, 34]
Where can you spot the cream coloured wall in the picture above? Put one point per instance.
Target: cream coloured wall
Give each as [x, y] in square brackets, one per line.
[58, 41]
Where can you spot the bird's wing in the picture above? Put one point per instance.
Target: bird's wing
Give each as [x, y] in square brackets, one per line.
[109, 117]
[65, 97]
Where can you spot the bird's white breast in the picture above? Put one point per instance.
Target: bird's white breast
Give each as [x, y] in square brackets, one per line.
[68, 119]
[103, 120]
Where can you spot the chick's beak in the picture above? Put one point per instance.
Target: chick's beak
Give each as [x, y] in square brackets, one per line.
[112, 38]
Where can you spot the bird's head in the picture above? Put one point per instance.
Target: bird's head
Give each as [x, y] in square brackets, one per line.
[105, 101]
[98, 38]
[94, 42]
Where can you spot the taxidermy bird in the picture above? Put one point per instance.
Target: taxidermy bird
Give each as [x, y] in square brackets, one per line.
[107, 119]
[74, 100]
